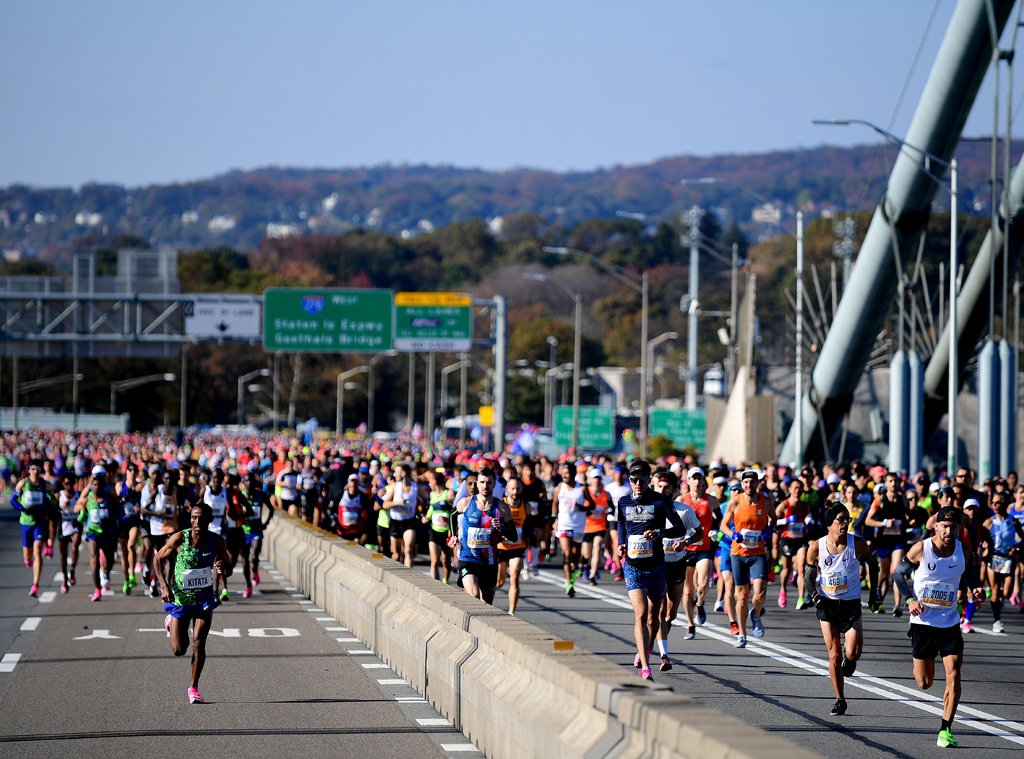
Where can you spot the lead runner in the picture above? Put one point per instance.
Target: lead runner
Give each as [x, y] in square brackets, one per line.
[199, 556]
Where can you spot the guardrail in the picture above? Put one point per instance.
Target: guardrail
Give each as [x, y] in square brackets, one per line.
[510, 686]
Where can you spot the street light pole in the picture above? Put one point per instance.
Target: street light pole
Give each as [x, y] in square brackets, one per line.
[136, 382]
[691, 320]
[241, 389]
[339, 414]
[662, 338]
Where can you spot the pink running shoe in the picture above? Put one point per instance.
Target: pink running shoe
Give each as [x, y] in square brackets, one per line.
[255, 578]
[34, 591]
[645, 674]
[194, 697]
[96, 595]
[63, 586]
[782, 599]
[636, 661]
[167, 623]
[966, 626]
[247, 592]
[48, 552]
[28, 563]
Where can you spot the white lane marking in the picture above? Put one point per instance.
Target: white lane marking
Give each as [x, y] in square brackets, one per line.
[9, 661]
[328, 619]
[99, 635]
[918, 700]
[48, 597]
[431, 722]
[375, 666]
[31, 623]
[306, 601]
[410, 699]
[348, 640]
[58, 577]
[359, 652]
[315, 610]
[334, 629]
[392, 681]
[453, 747]
[298, 595]
[291, 588]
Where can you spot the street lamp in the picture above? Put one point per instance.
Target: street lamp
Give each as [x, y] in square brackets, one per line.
[118, 385]
[370, 388]
[28, 387]
[662, 338]
[630, 280]
[445, 371]
[576, 352]
[951, 188]
[241, 389]
[549, 382]
[339, 412]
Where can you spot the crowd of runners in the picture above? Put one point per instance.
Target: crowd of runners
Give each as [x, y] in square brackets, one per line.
[182, 516]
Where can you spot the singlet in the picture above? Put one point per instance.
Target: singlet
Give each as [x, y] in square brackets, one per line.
[691, 522]
[193, 571]
[702, 508]
[68, 517]
[130, 498]
[793, 524]
[1004, 537]
[254, 524]
[32, 500]
[518, 519]
[597, 520]
[439, 513]
[163, 502]
[289, 485]
[350, 510]
[101, 515]
[571, 516]
[750, 520]
[635, 519]
[218, 503]
[936, 581]
[475, 535]
[892, 510]
[839, 574]
[407, 508]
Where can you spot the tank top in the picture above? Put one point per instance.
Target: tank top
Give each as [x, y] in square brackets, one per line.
[750, 520]
[571, 516]
[793, 525]
[68, 517]
[475, 535]
[350, 509]
[440, 513]
[702, 508]
[597, 520]
[406, 500]
[32, 499]
[936, 581]
[889, 510]
[100, 514]
[193, 571]
[1003, 539]
[218, 502]
[839, 574]
[518, 519]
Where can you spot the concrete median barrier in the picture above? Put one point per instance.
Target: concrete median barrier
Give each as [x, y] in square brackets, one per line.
[508, 685]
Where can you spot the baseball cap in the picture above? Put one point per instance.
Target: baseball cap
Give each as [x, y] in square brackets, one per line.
[364, 468]
[640, 468]
[695, 471]
[99, 471]
[948, 514]
[747, 473]
[933, 488]
[972, 503]
[594, 473]
[720, 481]
[832, 479]
[353, 478]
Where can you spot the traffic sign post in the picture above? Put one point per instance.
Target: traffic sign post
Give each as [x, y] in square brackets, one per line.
[327, 321]
[433, 322]
[597, 427]
[686, 428]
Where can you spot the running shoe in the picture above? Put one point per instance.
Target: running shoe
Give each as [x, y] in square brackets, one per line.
[802, 604]
[96, 595]
[782, 599]
[167, 622]
[48, 552]
[966, 626]
[620, 578]
[946, 739]
[146, 576]
[897, 612]
[104, 579]
[445, 580]
[645, 674]
[876, 608]
[838, 708]
[1015, 600]
[734, 629]
[28, 563]
[666, 665]
[34, 591]
[719, 605]
[997, 626]
[593, 581]
[586, 573]
[153, 590]
[691, 633]
[702, 616]
[255, 577]
[194, 697]
[793, 579]
[126, 588]
[636, 661]
[72, 578]
[225, 595]
[63, 586]
[757, 626]
[132, 581]
[596, 576]
[849, 667]
[741, 642]
[247, 592]
[138, 567]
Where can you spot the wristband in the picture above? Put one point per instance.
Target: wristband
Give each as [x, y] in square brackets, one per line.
[910, 601]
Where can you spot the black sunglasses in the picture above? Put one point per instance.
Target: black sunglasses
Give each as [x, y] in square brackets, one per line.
[638, 480]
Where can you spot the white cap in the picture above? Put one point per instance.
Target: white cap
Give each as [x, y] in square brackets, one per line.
[971, 502]
[721, 481]
[832, 479]
[99, 471]
[677, 467]
[879, 488]
[933, 488]
[695, 470]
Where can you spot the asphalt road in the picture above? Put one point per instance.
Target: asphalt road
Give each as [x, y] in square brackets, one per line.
[282, 678]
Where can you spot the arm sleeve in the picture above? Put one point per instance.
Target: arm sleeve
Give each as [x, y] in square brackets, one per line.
[901, 575]
[811, 579]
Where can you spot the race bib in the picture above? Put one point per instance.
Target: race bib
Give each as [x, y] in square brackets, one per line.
[197, 579]
[68, 528]
[795, 529]
[129, 509]
[257, 511]
[534, 508]
[895, 528]
[32, 498]
[478, 537]
[750, 538]
[439, 521]
[349, 517]
[637, 547]
[834, 584]
[98, 515]
[1000, 564]
[939, 595]
[219, 508]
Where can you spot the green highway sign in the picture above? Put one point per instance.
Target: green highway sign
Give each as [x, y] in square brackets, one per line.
[433, 322]
[327, 321]
[686, 428]
[597, 427]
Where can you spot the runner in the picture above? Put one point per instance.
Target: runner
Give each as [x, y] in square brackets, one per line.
[792, 515]
[261, 514]
[641, 514]
[213, 493]
[70, 530]
[439, 516]
[100, 509]
[236, 516]
[574, 503]
[129, 492]
[699, 554]
[512, 552]
[1002, 557]
[403, 505]
[939, 565]
[837, 558]
[596, 527]
[745, 521]
[479, 529]
[34, 499]
[198, 555]
[159, 503]
[887, 516]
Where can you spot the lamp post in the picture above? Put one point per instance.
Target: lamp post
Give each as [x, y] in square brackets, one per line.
[371, 392]
[549, 381]
[577, 343]
[445, 371]
[662, 338]
[640, 285]
[241, 389]
[119, 385]
[951, 188]
[339, 426]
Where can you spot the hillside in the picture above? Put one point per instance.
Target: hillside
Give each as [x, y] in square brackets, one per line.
[239, 209]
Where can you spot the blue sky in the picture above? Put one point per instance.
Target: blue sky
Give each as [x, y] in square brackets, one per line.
[136, 93]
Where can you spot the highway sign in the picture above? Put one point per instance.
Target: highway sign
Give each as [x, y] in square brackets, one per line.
[686, 428]
[433, 322]
[218, 316]
[327, 321]
[597, 427]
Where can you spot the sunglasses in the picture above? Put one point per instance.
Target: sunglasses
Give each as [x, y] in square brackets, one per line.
[638, 480]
